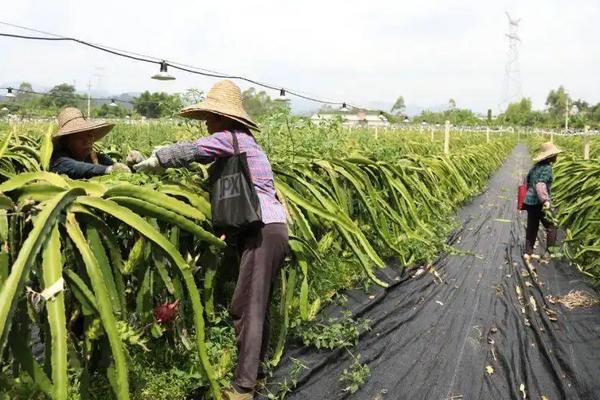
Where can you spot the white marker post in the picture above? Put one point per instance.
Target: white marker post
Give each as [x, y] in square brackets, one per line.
[447, 138]
[587, 143]
[487, 134]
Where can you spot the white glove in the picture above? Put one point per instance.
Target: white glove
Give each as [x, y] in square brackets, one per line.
[118, 167]
[134, 157]
[150, 166]
[546, 205]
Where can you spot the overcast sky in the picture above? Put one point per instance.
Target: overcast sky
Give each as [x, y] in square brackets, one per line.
[362, 52]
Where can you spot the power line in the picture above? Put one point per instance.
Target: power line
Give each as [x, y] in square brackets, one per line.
[175, 64]
[108, 47]
[82, 98]
[65, 39]
[154, 60]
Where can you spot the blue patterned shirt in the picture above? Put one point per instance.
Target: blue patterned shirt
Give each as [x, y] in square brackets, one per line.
[538, 173]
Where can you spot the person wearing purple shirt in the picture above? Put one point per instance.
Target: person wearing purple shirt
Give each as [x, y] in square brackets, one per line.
[262, 249]
[220, 144]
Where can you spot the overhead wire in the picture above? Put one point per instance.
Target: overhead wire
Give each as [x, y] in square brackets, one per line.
[175, 64]
[111, 48]
[82, 98]
[64, 39]
[172, 64]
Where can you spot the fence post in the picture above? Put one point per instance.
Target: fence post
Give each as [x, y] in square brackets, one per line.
[587, 144]
[432, 133]
[376, 133]
[447, 138]
[487, 134]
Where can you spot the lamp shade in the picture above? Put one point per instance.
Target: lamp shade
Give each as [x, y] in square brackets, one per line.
[163, 75]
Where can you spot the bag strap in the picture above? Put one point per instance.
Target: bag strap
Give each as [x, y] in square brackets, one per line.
[236, 145]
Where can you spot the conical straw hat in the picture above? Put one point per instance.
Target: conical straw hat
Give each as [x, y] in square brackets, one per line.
[547, 150]
[224, 98]
[71, 120]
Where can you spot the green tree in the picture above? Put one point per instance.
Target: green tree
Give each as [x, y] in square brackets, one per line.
[106, 110]
[582, 106]
[399, 106]
[258, 104]
[60, 96]
[519, 113]
[22, 95]
[192, 96]
[457, 116]
[594, 115]
[156, 105]
[451, 104]
[556, 103]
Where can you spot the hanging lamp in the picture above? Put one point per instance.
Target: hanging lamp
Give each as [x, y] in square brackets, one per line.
[163, 75]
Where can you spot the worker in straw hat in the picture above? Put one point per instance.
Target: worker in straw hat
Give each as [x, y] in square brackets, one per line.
[262, 249]
[73, 153]
[538, 200]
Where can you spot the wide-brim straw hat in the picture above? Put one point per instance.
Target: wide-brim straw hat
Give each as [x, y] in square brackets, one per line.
[71, 120]
[547, 150]
[224, 98]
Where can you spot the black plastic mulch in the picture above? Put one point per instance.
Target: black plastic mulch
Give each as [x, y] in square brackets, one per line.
[433, 339]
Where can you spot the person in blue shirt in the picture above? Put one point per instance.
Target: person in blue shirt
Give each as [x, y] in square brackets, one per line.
[538, 198]
[74, 154]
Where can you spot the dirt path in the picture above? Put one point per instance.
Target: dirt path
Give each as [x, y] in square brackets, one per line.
[434, 340]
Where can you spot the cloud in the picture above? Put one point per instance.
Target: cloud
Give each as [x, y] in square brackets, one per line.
[359, 52]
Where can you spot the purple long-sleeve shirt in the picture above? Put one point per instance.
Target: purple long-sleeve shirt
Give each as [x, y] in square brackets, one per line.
[220, 144]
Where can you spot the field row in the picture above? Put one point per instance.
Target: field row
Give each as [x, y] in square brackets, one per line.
[127, 243]
[576, 191]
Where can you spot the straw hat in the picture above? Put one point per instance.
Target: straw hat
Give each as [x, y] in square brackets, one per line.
[224, 98]
[547, 150]
[71, 120]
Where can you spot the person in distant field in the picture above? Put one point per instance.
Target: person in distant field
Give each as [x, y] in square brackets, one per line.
[538, 198]
[74, 154]
[262, 249]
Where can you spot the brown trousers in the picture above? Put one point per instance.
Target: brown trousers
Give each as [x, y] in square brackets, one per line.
[263, 252]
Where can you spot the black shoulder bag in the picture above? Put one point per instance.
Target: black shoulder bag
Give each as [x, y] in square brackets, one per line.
[234, 202]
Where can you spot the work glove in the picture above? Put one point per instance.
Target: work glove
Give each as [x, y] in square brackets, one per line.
[134, 157]
[118, 167]
[546, 205]
[149, 166]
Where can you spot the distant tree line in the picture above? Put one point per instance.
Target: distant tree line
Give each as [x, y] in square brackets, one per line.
[521, 113]
[558, 103]
[147, 104]
[259, 104]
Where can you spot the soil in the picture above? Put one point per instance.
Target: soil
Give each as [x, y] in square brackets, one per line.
[486, 330]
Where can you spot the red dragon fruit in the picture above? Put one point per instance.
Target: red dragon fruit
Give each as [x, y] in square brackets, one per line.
[165, 313]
